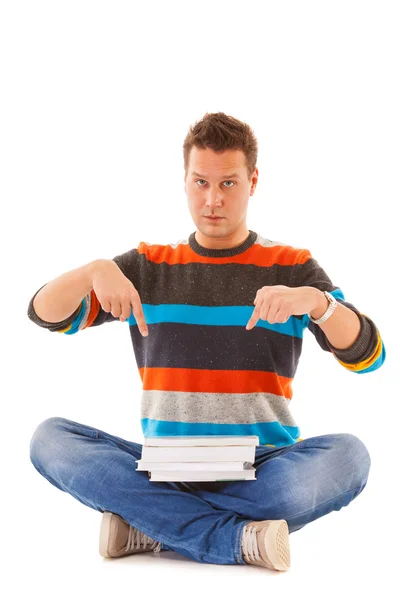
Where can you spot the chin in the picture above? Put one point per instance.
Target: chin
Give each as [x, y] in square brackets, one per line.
[213, 229]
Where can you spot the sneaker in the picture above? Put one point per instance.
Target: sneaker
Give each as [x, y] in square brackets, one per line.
[266, 544]
[118, 538]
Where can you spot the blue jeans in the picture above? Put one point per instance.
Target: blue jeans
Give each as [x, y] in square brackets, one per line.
[201, 520]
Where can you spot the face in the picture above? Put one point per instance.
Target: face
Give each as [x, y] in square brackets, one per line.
[217, 184]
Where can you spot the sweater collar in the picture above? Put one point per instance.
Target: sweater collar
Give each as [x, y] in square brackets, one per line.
[219, 253]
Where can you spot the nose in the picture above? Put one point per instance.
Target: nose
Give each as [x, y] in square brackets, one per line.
[214, 199]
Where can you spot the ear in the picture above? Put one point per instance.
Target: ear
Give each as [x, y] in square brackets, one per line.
[254, 182]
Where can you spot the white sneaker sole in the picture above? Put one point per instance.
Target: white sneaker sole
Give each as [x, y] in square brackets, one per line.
[105, 534]
[277, 545]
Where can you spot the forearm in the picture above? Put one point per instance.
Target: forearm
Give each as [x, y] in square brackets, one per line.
[343, 326]
[59, 298]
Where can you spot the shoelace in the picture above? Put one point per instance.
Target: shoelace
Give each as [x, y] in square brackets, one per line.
[137, 539]
[249, 543]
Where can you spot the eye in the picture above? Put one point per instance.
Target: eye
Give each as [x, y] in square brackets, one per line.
[227, 181]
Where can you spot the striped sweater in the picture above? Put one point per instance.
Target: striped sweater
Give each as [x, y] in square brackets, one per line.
[202, 372]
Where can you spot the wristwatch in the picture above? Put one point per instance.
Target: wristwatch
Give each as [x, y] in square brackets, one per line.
[332, 305]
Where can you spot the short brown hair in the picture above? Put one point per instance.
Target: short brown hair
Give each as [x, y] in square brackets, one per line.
[221, 132]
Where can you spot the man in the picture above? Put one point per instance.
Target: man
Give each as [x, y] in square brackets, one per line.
[216, 322]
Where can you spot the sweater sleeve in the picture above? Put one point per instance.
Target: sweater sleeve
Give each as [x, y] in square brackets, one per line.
[89, 313]
[367, 353]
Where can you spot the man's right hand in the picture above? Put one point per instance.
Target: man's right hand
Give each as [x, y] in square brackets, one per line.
[116, 293]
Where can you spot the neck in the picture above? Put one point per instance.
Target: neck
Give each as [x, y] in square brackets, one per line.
[221, 242]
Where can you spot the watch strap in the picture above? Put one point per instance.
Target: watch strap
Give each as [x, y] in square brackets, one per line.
[332, 305]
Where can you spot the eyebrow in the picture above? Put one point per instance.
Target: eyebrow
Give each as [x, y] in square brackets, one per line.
[223, 176]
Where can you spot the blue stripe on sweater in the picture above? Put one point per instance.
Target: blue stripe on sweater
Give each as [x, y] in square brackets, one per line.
[269, 433]
[213, 315]
[75, 323]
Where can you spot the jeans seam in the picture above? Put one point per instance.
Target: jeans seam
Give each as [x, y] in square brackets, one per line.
[239, 541]
[236, 556]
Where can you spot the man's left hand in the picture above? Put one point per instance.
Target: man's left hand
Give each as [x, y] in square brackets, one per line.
[276, 303]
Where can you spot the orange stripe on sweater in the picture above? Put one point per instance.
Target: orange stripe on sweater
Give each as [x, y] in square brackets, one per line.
[224, 381]
[255, 255]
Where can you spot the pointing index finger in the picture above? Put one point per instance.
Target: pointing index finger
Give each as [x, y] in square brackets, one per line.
[254, 318]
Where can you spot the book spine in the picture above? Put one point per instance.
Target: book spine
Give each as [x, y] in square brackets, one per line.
[217, 476]
[191, 466]
[232, 453]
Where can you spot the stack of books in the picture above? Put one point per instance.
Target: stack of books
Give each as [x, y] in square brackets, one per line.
[199, 458]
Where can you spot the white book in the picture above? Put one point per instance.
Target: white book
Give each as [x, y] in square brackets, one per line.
[198, 453]
[245, 475]
[203, 440]
[191, 466]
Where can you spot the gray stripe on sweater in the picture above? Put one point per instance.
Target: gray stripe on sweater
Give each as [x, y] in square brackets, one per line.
[197, 407]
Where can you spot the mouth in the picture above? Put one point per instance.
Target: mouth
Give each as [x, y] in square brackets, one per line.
[214, 218]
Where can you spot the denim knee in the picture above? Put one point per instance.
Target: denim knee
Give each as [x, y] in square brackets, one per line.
[40, 448]
[358, 454]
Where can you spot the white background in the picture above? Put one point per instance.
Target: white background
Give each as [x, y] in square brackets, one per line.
[96, 99]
